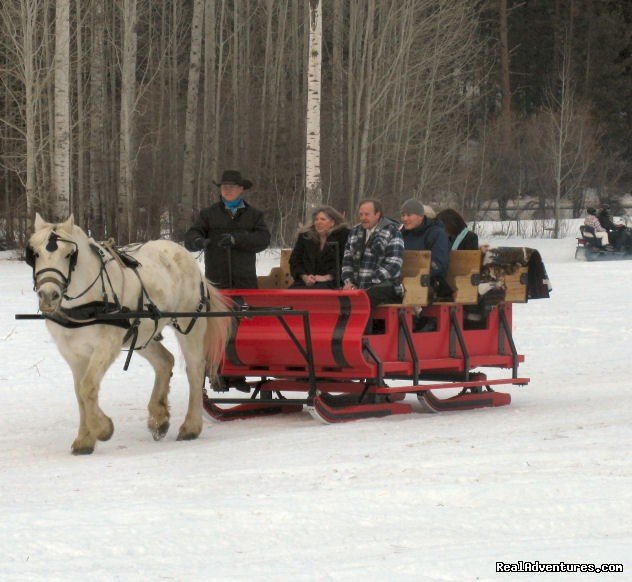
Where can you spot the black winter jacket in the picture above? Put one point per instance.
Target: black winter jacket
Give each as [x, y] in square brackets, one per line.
[469, 242]
[308, 259]
[251, 235]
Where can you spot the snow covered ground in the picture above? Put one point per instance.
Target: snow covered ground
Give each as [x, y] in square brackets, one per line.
[415, 497]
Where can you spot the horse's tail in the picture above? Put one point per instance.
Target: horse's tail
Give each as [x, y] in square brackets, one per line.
[217, 329]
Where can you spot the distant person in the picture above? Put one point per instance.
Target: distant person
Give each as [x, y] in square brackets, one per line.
[421, 233]
[592, 220]
[316, 260]
[230, 232]
[373, 255]
[616, 232]
[460, 236]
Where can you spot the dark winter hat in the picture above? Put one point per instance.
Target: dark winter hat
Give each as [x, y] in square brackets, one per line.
[591, 210]
[412, 206]
[234, 177]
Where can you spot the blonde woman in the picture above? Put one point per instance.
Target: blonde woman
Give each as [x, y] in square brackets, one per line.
[317, 255]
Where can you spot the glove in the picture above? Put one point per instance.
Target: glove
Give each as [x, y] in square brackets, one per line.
[201, 243]
[226, 241]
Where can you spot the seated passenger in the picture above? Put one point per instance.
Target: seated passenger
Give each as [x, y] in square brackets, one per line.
[374, 255]
[616, 232]
[460, 236]
[592, 220]
[421, 233]
[316, 259]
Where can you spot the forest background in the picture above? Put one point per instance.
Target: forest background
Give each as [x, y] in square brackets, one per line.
[125, 111]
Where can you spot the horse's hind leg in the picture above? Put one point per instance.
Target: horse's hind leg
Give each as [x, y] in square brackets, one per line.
[193, 349]
[162, 361]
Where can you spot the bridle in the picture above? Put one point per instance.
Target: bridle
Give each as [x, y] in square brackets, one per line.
[64, 281]
[88, 313]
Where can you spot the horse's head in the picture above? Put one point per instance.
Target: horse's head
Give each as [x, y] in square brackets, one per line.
[52, 253]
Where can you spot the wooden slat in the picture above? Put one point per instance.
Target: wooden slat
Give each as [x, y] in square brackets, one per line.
[516, 286]
[416, 264]
[285, 279]
[464, 270]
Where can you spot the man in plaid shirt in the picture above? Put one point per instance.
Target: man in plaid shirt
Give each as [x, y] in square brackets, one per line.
[373, 256]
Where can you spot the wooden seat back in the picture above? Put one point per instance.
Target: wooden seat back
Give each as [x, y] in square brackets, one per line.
[464, 272]
[416, 277]
[279, 277]
[516, 285]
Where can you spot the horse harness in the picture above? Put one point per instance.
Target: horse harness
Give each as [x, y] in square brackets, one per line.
[88, 313]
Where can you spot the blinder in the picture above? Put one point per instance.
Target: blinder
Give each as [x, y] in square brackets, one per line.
[30, 256]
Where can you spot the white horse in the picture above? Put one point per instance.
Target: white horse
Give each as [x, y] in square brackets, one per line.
[76, 279]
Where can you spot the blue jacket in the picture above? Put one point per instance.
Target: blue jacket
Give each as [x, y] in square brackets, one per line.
[430, 236]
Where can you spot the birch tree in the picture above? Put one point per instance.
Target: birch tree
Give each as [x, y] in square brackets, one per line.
[21, 44]
[128, 97]
[61, 203]
[95, 202]
[313, 188]
[190, 128]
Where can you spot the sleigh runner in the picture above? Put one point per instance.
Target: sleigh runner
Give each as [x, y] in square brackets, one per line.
[349, 374]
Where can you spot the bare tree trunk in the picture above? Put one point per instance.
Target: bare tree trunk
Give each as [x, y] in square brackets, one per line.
[28, 16]
[210, 81]
[504, 68]
[218, 91]
[190, 129]
[313, 187]
[562, 127]
[96, 207]
[80, 187]
[236, 73]
[128, 97]
[338, 180]
[61, 198]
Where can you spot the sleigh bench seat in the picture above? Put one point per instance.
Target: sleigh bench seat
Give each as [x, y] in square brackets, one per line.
[464, 273]
[415, 279]
[279, 277]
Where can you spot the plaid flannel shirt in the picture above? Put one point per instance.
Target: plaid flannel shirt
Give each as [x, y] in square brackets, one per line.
[376, 262]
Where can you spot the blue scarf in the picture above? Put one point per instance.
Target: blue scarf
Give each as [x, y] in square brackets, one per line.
[234, 204]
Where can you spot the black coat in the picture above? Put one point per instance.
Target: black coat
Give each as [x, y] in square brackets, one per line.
[251, 235]
[605, 220]
[308, 259]
[469, 242]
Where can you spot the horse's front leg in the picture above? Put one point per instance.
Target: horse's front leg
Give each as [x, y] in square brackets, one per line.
[93, 423]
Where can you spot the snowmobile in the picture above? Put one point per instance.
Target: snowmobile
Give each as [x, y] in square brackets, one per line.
[591, 248]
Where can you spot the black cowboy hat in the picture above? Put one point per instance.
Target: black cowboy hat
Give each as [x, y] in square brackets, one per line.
[234, 177]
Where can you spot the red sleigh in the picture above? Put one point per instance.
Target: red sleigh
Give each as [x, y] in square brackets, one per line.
[309, 349]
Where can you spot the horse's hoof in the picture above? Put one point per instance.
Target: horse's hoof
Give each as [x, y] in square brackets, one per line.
[187, 436]
[82, 450]
[161, 431]
[107, 433]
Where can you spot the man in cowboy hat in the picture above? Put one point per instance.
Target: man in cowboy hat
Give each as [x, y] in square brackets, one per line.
[230, 232]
